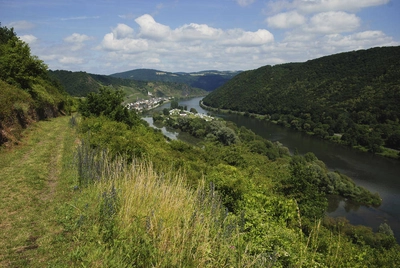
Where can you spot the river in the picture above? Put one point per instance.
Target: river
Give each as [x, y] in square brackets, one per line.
[375, 173]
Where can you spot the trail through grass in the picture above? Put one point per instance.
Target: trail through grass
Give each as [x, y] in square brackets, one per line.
[34, 181]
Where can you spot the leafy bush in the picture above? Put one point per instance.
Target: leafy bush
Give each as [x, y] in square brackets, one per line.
[108, 103]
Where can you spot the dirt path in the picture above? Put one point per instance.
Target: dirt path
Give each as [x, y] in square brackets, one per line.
[29, 193]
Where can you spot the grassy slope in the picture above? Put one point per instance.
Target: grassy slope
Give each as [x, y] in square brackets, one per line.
[35, 180]
[47, 220]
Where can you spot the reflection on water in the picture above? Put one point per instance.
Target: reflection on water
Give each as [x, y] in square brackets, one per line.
[168, 132]
[335, 202]
[172, 133]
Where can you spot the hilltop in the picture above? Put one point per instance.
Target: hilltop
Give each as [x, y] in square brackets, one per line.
[207, 80]
[354, 94]
[81, 83]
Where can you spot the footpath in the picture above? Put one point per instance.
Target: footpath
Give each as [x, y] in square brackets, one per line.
[35, 178]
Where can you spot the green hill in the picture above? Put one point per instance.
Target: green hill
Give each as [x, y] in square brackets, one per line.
[81, 83]
[207, 80]
[27, 94]
[356, 94]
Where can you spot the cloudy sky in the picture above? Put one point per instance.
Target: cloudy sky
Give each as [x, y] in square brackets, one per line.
[109, 36]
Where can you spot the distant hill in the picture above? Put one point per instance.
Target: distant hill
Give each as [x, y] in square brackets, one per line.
[207, 80]
[354, 93]
[81, 83]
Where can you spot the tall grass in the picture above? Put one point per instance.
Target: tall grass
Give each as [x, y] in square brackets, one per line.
[152, 219]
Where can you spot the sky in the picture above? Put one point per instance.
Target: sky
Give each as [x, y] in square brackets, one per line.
[110, 36]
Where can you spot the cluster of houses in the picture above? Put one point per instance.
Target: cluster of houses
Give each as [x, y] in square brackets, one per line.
[183, 113]
[142, 105]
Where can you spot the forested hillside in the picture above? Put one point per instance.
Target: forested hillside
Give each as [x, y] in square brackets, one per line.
[27, 94]
[207, 80]
[81, 83]
[235, 200]
[356, 94]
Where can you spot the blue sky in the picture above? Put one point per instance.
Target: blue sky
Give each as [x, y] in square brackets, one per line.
[109, 36]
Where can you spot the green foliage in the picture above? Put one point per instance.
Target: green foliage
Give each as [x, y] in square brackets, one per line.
[28, 94]
[17, 66]
[355, 94]
[174, 104]
[108, 103]
[269, 207]
[14, 102]
[109, 207]
[231, 184]
[303, 187]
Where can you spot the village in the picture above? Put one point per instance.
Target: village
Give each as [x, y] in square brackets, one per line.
[184, 113]
[143, 105]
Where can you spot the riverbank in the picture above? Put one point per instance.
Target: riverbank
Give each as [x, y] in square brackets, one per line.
[335, 138]
[376, 173]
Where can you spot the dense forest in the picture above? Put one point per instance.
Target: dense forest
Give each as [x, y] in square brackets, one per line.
[27, 93]
[354, 94]
[207, 80]
[80, 84]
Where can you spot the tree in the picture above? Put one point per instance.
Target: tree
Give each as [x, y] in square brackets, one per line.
[6, 34]
[108, 103]
[165, 111]
[302, 186]
[394, 140]
[374, 142]
[174, 104]
[17, 66]
[193, 110]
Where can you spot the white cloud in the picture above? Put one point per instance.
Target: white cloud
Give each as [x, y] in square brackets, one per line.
[189, 47]
[337, 5]
[244, 3]
[122, 31]
[195, 31]
[126, 45]
[188, 44]
[21, 25]
[315, 6]
[122, 39]
[76, 41]
[333, 22]
[28, 38]
[147, 43]
[238, 37]
[70, 60]
[151, 29]
[286, 20]
[359, 40]
[194, 46]
[77, 38]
